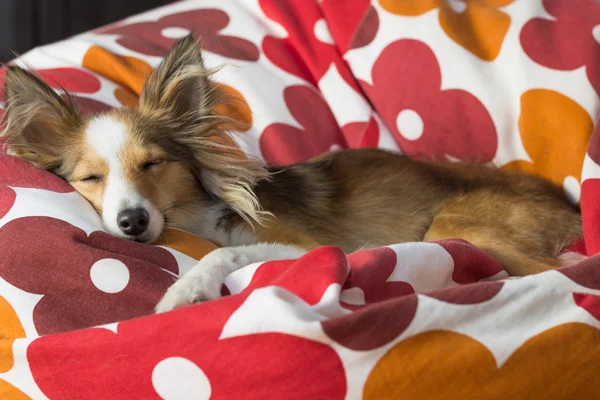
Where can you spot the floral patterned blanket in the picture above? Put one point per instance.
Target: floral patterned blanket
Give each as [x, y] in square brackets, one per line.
[512, 83]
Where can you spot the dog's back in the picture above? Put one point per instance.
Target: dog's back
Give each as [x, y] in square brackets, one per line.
[366, 198]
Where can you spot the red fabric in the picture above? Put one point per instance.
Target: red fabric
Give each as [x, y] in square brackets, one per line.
[455, 123]
[590, 209]
[282, 144]
[564, 41]
[302, 53]
[147, 37]
[352, 23]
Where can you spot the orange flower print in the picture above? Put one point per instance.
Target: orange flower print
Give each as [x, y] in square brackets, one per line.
[555, 132]
[129, 72]
[477, 25]
[10, 329]
[447, 365]
[236, 108]
[9, 392]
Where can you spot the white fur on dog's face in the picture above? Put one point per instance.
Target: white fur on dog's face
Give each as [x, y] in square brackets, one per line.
[108, 138]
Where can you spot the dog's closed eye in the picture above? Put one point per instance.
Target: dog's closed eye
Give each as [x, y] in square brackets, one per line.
[151, 164]
[92, 178]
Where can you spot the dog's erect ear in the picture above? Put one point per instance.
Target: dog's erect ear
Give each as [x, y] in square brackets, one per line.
[180, 84]
[38, 121]
[181, 91]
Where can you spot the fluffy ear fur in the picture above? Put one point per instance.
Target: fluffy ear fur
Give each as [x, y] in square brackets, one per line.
[180, 92]
[38, 121]
[180, 83]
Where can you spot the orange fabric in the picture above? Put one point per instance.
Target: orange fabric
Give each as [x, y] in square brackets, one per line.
[129, 72]
[126, 98]
[237, 109]
[186, 243]
[561, 362]
[478, 26]
[555, 131]
[410, 8]
[10, 329]
[9, 392]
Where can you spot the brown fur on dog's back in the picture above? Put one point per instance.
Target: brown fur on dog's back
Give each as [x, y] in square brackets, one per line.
[367, 198]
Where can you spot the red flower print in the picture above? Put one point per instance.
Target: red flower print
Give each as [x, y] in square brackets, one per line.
[468, 294]
[585, 273]
[308, 51]
[370, 271]
[323, 267]
[250, 366]
[85, 280]
[366, 30]
[7, 199]
[373, 326]
[381, 321]
[594, 144]
[20, 173]
[590, 211]
[425, 120]
[353, 24]
[282, 144]
[154, 38]
[568, 40]
[588, 302]
[470, 264]
[390, 305]
[362, 134]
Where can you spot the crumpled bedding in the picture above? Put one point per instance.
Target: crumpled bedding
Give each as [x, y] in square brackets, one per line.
[458, 80]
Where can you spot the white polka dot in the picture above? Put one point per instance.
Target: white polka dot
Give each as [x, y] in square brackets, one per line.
[572, 189]
[179, 378]
[409, 124]
[174, 32]
[322, 32]
[596, 33]
[458, 6]
[109, 275]
[335, 147]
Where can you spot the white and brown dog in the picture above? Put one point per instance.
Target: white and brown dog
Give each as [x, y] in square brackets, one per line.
[167, 163]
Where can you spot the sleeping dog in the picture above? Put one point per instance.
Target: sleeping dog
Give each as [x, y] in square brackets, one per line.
[170, 162]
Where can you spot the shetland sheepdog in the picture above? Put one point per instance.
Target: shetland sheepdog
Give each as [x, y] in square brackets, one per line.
[171, 162]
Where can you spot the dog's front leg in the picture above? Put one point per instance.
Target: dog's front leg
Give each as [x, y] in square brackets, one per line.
[204, 281]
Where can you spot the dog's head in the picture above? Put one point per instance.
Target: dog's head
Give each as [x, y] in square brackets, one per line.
[140, 168]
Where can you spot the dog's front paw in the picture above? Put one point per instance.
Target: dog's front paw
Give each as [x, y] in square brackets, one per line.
[189, 290]
[203, 282]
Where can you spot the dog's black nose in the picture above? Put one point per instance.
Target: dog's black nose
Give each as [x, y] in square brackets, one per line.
[133, 221]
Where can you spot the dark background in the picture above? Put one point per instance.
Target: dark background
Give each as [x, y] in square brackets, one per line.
[25, 24]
